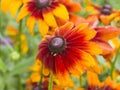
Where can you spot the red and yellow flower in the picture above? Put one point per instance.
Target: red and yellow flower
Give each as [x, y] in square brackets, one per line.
[104, 33]
[46, 12]
[70, 50]
[105, 13]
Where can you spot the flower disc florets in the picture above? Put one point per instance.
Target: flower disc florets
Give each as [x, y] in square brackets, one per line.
[57, 45]
[42, 3]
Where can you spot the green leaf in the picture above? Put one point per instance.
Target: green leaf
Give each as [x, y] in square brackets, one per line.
[2, 66]
[22, 66]
[114, 3]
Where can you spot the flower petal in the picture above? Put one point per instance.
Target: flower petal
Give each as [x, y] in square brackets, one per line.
[15, 6]
[61, 12]
[43, 27]
[49, 18]
[23, 12]
[107, 32]
[30, 23]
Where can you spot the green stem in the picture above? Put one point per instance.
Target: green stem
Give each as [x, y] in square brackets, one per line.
[19, 49]
[80, 81]
[19, 36]
[114, 62]
[50, 82]
[41, 74]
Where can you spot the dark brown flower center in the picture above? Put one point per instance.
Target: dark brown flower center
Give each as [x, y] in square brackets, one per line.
[107, 6]
[42, 3]
[57, 45]
[106, 9]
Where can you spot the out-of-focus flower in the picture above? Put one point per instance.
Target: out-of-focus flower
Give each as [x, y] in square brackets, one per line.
[5, 41]
[13, 32]
[95, 84]
[105, 13]
[70, 50]
[46, 12]
[11, 5]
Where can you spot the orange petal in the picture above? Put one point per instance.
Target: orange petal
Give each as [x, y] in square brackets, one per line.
[23, 12]
[93, 21]
[68, 26]
[61, 12]
[73, 6]
[93, 79]
[30, 23]
[107, 32]
[106, 48]
[92, 48]
[43, 27]
[11, 30]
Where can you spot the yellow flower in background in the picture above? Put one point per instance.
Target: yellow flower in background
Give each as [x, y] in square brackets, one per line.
[13, 32]
[46, 12]
[11, 5]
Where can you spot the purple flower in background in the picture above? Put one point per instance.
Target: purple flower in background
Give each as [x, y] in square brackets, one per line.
[6, 40]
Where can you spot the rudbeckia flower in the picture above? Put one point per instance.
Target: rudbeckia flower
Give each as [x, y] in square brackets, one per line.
[11, 5]
[95, 84]
[46, 12]
[104, 33]
[70, 50]
[105, 13]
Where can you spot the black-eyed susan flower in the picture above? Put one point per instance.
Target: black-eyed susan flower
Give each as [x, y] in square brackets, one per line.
[104, 33]
[105, 13]
[46, 12]
[95, 84]
[69, 50]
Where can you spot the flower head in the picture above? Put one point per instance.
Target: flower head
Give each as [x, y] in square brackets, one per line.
[46, 12]
[69, 50]
[105, 13]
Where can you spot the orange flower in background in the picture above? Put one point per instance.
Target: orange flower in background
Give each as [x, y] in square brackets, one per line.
[105, 13]
[95, 84]
[69, 50]
[46, 12]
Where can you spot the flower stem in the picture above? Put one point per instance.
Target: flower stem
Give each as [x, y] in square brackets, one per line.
[41, 74]
[19, 49]
[114, 62]
[19, 36]
[80, 79]
[50, 82]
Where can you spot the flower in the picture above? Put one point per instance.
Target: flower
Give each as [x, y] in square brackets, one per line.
[46, 12]
[69, 50]
[95, 84]
[105, 13]
[104, 33]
